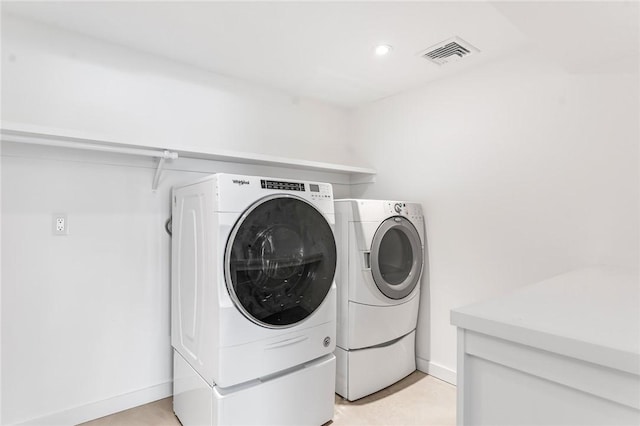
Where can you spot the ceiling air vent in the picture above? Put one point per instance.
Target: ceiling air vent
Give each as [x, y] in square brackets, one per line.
[450, 50]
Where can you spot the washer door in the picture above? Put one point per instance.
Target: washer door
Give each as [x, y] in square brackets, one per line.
[280, 261]
[396, 257]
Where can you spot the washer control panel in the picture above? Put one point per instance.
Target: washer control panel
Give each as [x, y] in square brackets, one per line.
[282, 185]
[317, 191]
[320, 191]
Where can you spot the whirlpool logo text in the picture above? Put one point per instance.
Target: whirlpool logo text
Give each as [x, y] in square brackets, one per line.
[240, 182]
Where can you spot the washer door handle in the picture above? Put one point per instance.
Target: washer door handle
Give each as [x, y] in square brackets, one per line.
[367, 260]
[287, 342]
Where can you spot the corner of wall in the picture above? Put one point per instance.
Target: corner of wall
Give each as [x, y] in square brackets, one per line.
[436, 370]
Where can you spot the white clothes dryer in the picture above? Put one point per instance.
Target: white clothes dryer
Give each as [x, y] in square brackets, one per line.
[253, 301]
[380, 262]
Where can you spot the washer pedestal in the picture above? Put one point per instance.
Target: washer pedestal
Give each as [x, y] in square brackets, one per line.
[361, 372]
[302, 395]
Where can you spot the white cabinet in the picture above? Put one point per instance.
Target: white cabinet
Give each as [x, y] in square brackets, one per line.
[559, 352]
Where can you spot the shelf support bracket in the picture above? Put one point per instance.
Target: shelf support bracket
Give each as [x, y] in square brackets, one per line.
[161, 160]
[363, 179]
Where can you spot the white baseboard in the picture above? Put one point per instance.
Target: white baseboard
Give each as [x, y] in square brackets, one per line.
[105, 407]
[436, 370]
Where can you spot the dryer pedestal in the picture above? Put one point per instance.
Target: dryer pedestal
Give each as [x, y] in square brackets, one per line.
[361, 372]
[302, 395]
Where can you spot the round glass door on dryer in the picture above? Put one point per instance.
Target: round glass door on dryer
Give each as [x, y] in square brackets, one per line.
[396, 257]
[280, 261]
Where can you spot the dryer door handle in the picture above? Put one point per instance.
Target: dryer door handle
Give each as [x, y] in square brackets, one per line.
[367, 260]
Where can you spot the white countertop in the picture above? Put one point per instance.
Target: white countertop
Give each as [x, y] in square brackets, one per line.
[591, 314]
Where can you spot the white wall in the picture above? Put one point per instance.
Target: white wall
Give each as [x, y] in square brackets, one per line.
[85, 317]
[54, 78]
[524, 172]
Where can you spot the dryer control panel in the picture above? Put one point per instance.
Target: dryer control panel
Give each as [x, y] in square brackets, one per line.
[402, 208]
[411, 211]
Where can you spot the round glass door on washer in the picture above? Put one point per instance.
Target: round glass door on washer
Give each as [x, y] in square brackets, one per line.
[396, 257]
[280, 261]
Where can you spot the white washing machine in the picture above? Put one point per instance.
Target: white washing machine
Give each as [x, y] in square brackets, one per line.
[380, 262]
[253, 301]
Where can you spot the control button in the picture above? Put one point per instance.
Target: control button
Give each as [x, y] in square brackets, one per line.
[397, 207]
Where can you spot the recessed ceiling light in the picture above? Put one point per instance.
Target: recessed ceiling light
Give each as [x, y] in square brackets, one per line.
[383, 49]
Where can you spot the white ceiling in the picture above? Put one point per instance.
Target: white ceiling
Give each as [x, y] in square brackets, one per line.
[324, 50]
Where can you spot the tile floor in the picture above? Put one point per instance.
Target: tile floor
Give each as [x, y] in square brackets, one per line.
[416, 400]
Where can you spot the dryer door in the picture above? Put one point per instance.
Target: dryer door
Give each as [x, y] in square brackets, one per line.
[280, 261]
[396, 257]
